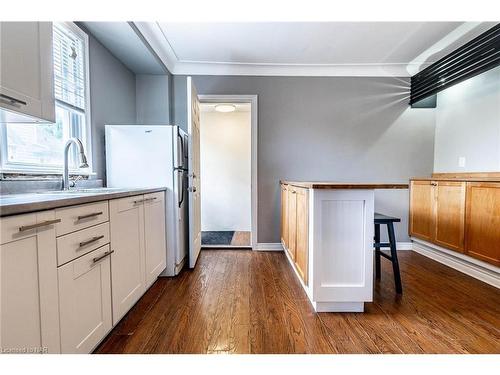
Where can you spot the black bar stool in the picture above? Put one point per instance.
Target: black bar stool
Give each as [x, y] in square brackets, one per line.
[389, 221]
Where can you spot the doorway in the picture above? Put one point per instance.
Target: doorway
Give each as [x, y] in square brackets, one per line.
[227, 171]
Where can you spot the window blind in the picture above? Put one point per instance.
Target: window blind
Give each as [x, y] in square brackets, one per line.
[69, 66]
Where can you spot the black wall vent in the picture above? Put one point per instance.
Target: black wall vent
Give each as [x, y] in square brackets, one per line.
[473, 58]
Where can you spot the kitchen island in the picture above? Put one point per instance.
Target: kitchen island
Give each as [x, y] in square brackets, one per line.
[327, 233]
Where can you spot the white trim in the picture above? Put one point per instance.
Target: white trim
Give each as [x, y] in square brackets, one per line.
[290, 70]
[470, 266]
[253, 100]
[273, 246]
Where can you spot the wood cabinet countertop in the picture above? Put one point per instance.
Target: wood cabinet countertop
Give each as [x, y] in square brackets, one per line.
[344, 185]
[459, 179]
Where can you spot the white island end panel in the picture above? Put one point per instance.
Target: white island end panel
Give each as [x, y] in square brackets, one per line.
[343, 249]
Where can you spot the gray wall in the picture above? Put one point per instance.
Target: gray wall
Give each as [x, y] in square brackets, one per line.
[152, 99]
[112, 96]
[468, 125]
[335, 128]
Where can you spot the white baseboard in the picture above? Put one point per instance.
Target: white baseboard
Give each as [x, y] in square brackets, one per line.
[275, 246]
[470, 266]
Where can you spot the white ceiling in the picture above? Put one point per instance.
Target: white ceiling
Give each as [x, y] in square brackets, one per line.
[301, 48]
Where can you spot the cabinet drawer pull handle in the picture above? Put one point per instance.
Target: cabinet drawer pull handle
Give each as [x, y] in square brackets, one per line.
[38, 225]
[150, 199]
[88, 242]
[139, 201]
[89, 215]
[13, 100]
[97, 259]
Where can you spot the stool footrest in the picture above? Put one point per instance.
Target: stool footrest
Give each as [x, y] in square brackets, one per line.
[382, 244]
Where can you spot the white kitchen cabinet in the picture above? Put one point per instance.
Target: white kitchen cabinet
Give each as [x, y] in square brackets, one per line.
[29, 319]
[26, 72]
[85, 301]
[154, 236]
[127, 261]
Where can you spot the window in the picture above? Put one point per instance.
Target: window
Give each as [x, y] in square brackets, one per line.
[38, 148]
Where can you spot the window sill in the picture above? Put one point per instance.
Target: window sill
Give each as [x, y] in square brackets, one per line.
[33, 174]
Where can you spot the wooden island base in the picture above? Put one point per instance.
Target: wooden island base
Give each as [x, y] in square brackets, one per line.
[327, 233]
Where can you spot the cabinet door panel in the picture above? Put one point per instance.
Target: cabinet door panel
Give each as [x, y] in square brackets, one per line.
[292, 221]
[302, 242]
[450, 215]
[284, 215]
[28, 287]
[20, 325]
[127, 260]
[421, 209]
[85, 302]
[483, 221]
[26, 68]
[154, 235]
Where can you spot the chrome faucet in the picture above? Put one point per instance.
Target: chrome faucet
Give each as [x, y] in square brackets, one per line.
[83, 160]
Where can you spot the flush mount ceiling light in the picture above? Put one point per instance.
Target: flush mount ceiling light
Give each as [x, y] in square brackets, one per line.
[225, 108]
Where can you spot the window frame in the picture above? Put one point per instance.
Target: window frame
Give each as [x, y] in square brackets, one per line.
[7, 167]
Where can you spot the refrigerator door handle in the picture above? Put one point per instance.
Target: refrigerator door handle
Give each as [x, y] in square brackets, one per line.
[182, 187]
[182, 148]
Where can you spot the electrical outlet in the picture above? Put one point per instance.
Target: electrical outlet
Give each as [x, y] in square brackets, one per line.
[461, 161]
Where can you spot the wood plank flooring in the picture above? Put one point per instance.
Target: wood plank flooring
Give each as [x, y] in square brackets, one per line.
[239, 301]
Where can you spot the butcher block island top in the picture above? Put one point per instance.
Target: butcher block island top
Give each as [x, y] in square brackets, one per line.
[344, 185]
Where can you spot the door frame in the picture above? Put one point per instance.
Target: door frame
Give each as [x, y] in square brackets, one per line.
[252, 100]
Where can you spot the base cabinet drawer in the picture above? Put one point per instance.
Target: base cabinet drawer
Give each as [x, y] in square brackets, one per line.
[74, 245]
[85, 301]
[80, 217]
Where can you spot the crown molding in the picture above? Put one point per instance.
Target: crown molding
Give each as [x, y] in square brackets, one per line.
[154, 35]
[299, 70]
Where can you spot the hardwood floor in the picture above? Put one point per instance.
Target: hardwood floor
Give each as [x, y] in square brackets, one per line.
[241, 239]
[238, 301]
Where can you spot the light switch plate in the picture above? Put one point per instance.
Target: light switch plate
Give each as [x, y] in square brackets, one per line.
[461, 161]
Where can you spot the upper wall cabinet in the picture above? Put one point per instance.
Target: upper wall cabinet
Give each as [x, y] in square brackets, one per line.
[26, 72]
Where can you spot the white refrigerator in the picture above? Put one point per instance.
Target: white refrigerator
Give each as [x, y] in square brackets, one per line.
[154, 156]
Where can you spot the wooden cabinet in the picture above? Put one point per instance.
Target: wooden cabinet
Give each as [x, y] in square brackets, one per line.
[154, 236]
[295, 226]
[26, 72]
[85, 301]
[127, 260]
[29, 319]
[302, 232]
[483, 221]
[449, 214]
[137, 226]
[458, 215]
[422, 209]
[284, 215]
[437, 212]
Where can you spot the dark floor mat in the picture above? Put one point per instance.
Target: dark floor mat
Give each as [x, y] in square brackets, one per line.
[217, 238]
